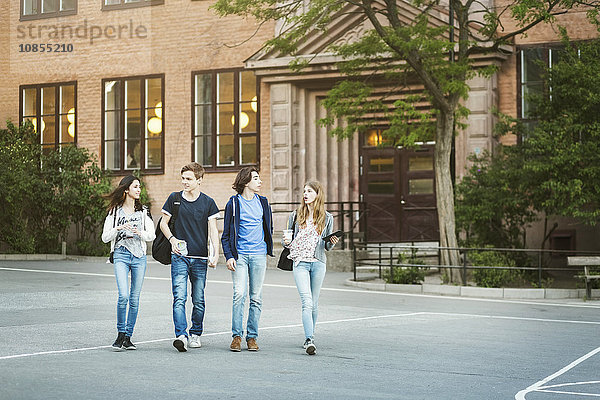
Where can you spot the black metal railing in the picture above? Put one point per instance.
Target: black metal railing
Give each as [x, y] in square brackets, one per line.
[381, 257]
[347, 217]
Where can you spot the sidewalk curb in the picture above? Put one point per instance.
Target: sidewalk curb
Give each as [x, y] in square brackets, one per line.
[86, 258]
[271, 261]
[32, 257]
[50, 257]
[471, 291]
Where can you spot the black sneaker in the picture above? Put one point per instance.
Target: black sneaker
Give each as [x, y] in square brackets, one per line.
[306, 343]
[118, 344]
[127, 345]
[310, 347]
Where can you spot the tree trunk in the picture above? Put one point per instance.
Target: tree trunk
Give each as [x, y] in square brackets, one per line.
[445, 190]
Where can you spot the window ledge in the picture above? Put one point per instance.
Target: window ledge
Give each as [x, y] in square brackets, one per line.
[57, 14]
[139, 4]
[131, 171]
[232, 168]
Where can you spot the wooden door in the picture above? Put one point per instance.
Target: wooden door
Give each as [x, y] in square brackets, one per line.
[380, 190]
[417, 197]
[398, 187]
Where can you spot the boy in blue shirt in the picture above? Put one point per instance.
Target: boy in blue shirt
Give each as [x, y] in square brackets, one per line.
[247, 239]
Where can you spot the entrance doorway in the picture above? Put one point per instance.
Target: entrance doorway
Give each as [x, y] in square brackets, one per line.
[398, 187]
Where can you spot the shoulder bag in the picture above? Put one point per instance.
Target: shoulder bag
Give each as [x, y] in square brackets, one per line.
[161, 247]
[111, 258]
[284, 262]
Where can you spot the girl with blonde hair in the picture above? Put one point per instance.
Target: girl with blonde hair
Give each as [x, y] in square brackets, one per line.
[311, 225]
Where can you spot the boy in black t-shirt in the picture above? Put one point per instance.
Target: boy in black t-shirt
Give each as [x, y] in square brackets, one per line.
[196, 222]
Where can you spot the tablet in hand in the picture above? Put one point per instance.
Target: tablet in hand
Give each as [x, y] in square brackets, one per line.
[336, 233]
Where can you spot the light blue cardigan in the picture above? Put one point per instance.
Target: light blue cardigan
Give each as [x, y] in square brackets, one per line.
[321, 245]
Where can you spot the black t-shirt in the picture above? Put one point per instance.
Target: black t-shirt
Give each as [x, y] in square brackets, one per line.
[191, 224]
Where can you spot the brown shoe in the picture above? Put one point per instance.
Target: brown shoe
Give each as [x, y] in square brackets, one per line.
[236, 344]
[252, 346]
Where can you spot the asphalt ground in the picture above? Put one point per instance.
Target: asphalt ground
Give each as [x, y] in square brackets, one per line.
[57, 322]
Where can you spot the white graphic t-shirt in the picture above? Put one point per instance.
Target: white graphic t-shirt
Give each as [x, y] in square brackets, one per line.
[126, 238]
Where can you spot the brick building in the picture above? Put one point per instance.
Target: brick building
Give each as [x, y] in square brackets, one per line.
[155, 84]
[127, 74]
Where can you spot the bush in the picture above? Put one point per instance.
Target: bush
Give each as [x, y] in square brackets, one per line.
[19, 188]
[406, 275]
[493, 277]
[44, 195]
[77, 184]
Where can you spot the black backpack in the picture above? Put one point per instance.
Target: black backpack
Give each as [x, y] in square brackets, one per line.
[161, 247]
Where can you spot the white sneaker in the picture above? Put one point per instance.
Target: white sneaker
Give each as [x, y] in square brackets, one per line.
[195, 341]
[181, 343]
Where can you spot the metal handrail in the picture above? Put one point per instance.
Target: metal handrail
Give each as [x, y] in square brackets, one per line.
[386, 258]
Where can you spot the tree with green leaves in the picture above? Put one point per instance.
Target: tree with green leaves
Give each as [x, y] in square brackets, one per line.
[401, 48]
[555, 171]
[491, 208]
[76, 183]
[43, 195]
[19, 188]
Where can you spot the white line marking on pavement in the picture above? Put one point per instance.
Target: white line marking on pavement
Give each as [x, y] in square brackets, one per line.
[569, 384]
[424, 313]
[45, 271]
[373, 292]
[472, 299]
[514, 318]
[207, 334]
[546, 389]
[539, 385]
[571, 393]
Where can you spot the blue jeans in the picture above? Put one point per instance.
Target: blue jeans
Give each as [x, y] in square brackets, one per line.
[181, 269]
[249, 272]
[125, 262]
[309, 279]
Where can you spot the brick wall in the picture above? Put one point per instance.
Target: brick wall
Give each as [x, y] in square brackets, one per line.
[173, 39]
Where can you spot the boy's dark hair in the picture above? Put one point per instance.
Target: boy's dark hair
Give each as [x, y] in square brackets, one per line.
[242, 178]
[196, 168]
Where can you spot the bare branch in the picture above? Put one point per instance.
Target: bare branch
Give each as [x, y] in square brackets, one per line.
[485, 9]
[469, 3]
[355, 3]
[260, 25]
[503, 39]
[392, 7]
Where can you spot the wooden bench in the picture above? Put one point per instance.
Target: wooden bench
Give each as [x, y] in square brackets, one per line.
[587, 262]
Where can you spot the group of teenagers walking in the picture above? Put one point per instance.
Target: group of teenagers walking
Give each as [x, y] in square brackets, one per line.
[246, 241]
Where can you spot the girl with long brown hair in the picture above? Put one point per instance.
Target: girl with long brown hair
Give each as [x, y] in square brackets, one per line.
[311, 225]
[128, 226]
